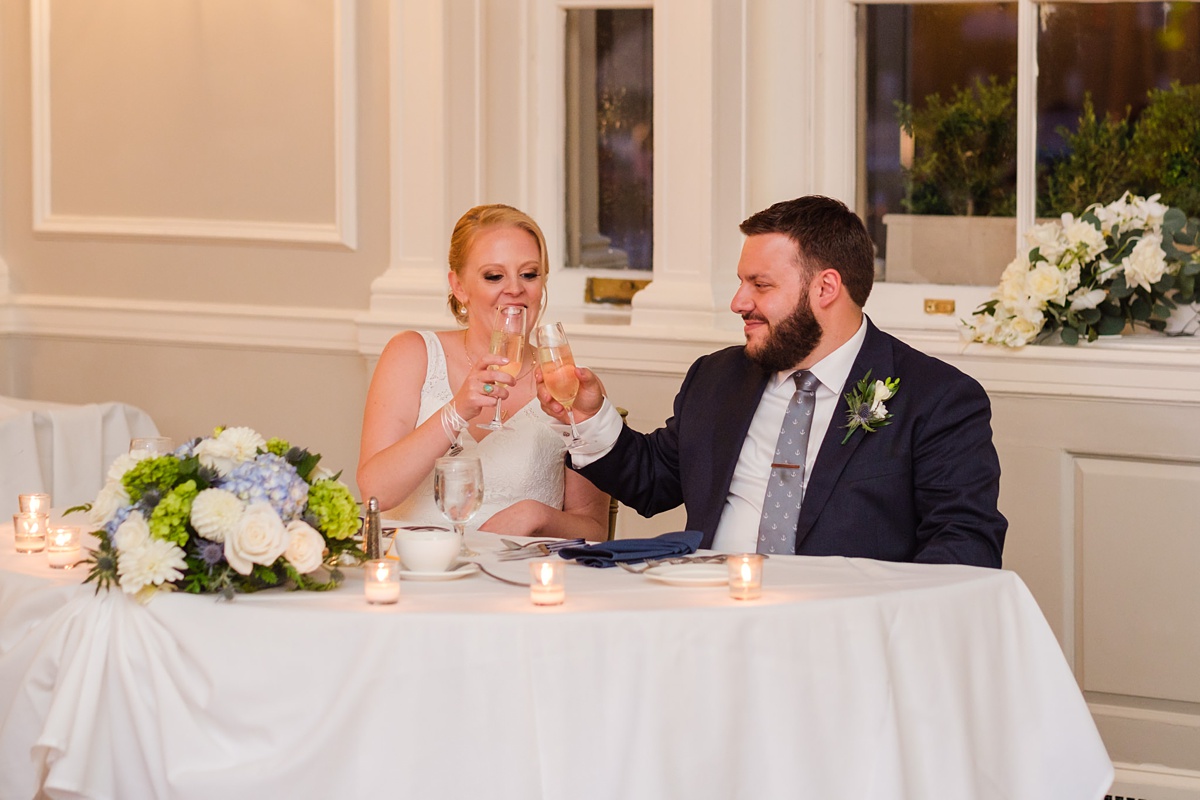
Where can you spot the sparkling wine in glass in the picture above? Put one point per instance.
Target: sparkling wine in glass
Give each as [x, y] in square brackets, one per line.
[558, 369]
[458, 492]
[508, 339]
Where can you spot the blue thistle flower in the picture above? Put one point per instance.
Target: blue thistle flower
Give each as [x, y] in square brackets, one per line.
[208, 551]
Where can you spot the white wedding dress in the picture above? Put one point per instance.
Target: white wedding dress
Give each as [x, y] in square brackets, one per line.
[524, 461]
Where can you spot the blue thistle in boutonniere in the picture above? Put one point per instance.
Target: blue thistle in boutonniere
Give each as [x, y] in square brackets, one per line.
[865, 408]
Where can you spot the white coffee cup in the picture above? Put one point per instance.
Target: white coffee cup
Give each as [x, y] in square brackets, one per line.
[427, 551]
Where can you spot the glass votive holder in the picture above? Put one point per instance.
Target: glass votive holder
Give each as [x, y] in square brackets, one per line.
[36, 503]
[381, 581]
[64, 547]
[154, 445]
[745, 576]
[548, 586]
[29, 531]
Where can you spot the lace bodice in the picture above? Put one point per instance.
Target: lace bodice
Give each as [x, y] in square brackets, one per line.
[523, 461]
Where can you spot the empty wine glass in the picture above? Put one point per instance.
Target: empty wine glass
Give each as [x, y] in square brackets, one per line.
[508, 339]
[558, 369]
[458, 492]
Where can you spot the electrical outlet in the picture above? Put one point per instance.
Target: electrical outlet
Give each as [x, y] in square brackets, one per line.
[933, 306]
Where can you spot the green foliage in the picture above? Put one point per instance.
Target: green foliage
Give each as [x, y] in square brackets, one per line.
[1095, 167]
[1165, 152]
[964, 151]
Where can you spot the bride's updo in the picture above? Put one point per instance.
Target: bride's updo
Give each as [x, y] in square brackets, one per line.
[479, 218]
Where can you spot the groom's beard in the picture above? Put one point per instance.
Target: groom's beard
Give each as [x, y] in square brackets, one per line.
[789, 341]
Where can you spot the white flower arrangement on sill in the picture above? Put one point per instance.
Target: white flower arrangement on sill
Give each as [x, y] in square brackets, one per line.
[1130, 262]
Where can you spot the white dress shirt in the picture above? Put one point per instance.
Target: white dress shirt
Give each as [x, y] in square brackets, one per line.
[737, 531]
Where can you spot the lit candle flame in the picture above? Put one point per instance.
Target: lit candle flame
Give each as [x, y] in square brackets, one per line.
[381, 572]
[547, 574]
[746, 574]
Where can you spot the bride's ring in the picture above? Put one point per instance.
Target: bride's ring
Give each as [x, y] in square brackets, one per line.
[488, 388]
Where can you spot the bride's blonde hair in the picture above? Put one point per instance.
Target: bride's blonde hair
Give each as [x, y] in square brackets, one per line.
[479, 219]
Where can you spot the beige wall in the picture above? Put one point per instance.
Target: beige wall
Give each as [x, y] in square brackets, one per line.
[218, 211]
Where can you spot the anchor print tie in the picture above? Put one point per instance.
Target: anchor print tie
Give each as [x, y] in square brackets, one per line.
[785, 487]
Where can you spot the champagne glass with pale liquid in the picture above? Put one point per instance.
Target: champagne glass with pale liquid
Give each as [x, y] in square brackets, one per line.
[558, 369]
[508, 339]
[458, 492]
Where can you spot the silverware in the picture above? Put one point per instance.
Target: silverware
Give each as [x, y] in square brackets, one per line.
[651, 563]
[516, 552]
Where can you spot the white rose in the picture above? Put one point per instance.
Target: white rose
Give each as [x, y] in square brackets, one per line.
[1022, 330]
[215, 512]
[258, 538]
[1147, 263]
[1083, 235]
[1047, 284]
[1084, 299]
[1012, 281]
[112, 497]
[305, 547]
[132, 534]
[1048, 238]
[320, 473]
[230, 448]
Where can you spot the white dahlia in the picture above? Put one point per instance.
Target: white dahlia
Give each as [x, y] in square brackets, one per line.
[155, 562]
[216, 512]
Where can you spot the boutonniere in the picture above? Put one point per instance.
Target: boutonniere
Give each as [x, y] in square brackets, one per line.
[865, 405]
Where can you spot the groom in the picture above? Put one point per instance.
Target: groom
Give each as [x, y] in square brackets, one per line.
[763, 450]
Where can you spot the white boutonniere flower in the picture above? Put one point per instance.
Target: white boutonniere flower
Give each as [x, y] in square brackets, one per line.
[865, 405]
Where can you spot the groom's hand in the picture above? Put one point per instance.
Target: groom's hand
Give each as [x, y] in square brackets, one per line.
[587, 401]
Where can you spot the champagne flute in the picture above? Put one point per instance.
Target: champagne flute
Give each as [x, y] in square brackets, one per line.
[508, 339]
[558, 369]
[458, 492]
[153, 445]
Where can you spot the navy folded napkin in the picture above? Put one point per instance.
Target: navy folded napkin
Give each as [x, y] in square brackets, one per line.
[631, 551]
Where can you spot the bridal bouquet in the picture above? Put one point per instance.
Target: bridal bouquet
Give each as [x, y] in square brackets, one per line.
[1128, 262]
[231, 512]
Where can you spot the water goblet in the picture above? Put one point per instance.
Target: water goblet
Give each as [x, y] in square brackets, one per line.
[458, 492]
[508, 339]
[153, 445]
[558, 369]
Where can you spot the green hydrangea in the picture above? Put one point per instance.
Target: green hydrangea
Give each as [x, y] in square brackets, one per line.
[334, 508]
[159, 473]
[169, 519]
[278, 446]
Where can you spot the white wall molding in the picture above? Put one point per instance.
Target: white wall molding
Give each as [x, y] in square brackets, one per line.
[320, 330]
[341, 230]
[1155, 781]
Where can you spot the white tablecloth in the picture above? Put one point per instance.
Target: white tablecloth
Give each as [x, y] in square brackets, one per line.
[849, 678]
[62, 450]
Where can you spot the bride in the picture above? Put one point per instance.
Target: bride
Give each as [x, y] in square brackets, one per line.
[430, 389]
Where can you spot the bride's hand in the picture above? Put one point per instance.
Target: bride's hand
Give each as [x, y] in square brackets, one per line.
[522, 518]
[481, 387]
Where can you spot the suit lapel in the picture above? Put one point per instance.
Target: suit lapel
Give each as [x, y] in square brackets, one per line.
[735, 410]
[832, 458]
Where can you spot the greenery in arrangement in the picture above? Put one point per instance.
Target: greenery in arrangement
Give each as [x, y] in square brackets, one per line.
[232, 512]
[964, 151]
[1126, 263]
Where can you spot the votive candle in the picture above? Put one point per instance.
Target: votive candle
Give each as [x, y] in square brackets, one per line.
[381, 581]
[38, 503]
[63, 547]
[548, 587]
[745, 576]
[29, 531]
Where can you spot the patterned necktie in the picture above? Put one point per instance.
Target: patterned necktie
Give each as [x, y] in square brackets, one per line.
[785, 487]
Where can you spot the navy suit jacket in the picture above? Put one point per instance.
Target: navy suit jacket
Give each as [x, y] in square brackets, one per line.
[923, 488]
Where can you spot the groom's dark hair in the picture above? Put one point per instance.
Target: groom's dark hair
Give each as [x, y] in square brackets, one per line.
[827, 235]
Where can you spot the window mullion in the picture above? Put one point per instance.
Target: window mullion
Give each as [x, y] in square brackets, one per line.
[1027, 76]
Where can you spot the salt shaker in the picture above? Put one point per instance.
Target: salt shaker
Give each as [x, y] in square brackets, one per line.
[373, 532]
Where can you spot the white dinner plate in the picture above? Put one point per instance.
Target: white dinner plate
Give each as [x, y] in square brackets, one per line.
[689, 574]
[461, 571]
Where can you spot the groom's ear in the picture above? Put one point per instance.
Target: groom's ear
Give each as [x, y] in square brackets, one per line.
[826, 288]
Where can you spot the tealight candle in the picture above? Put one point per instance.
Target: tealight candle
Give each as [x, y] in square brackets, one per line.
[381, 581]
[63, 547]
[36, 503]
[29, 531]
[745, 576]
[548, 587]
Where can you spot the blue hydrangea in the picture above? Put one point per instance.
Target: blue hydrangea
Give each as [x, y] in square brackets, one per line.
[269, 479]
[119, 517]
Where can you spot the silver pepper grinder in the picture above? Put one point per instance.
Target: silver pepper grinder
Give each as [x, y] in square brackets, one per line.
[373, 532]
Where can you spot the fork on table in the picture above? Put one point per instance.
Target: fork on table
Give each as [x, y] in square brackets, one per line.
[516, 552]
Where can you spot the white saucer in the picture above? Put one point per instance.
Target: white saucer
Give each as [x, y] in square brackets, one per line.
[461, 571]
[689, 574]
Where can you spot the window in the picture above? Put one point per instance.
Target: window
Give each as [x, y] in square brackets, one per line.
[940, 180]
[609, 138]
